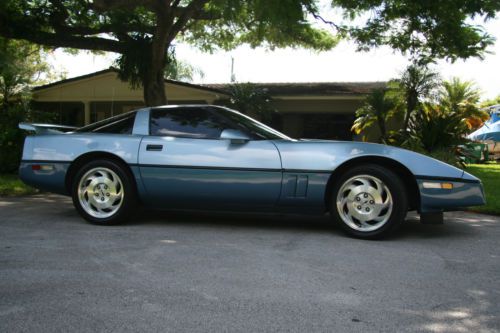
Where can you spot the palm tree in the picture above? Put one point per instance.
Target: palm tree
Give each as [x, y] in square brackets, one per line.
[445, 124]
[417, 83]
[378, 108]
[461, 99]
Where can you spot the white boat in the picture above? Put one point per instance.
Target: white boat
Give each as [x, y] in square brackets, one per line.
[490, 131]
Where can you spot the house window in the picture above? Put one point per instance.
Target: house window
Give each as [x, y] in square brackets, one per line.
[62, 113]
[121, 124]
[104, 110]
[328, 126]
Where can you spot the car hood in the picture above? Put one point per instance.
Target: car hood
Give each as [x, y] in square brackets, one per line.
[326, 155]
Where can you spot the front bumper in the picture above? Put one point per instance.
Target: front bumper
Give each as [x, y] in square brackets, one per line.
[465, 193]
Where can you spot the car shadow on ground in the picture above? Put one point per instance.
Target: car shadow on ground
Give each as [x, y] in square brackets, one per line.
[234, 220]
[410, 229]
[459, 224]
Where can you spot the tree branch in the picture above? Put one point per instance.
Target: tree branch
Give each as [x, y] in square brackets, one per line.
[199, 15]
[331, 23]
[175, 3]
[105, 5]
[61, 40]
[188, 13]
[59, 16]
[108, 28]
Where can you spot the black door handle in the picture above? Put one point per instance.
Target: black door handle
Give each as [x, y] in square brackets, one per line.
[154, 147]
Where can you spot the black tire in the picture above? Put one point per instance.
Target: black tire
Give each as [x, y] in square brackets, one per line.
[127, 202]
[397, 192]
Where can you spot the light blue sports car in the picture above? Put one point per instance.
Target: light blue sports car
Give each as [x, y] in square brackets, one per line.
[214, 158]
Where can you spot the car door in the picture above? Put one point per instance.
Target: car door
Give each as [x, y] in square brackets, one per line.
[185, 164]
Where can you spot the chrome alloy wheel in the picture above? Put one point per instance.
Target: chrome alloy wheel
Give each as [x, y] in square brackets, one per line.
[100, 192]
[364, 203]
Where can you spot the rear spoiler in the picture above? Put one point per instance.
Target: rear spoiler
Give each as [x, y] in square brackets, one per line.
[42, 129]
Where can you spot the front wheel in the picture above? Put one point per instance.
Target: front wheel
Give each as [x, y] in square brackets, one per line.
[369, 201]
[102, 192]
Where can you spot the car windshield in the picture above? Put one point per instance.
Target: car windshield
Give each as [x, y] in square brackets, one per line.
[252, 126]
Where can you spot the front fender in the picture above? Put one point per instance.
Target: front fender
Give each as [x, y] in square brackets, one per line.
[329, 155]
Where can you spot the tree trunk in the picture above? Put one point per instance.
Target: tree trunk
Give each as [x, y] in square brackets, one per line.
[411, 105]
[154, 87]
[154, 80]
[406, 119]
[383, 131]
[165, 32]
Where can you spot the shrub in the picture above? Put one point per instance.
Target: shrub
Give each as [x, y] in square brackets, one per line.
[379, 107]
[11, 137]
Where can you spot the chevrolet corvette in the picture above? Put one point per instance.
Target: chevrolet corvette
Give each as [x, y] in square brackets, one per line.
[202, 157]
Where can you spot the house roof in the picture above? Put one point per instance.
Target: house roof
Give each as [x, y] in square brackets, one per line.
[114, 70]
[274, 89]
[312, 88]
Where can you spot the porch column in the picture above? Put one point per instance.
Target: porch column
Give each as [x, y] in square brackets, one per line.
[87, 111]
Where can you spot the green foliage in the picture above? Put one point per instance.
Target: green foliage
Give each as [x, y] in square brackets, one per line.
[437, 127]
[490, 102]
[142, 31]
[416, 84]
[268, 23]
[424, 29]
[438, 114]
[21, 65]
[252, 100]
[451, 155]
[11, 137]
[380, 106]
[441, 125]
[182, 71]
[134, 63]
[403, 96]
[456, 94]
[461, 98]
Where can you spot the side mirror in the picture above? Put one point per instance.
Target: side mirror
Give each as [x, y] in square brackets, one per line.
[234, 136]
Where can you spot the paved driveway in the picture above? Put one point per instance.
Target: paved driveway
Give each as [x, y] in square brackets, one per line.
[166, 272]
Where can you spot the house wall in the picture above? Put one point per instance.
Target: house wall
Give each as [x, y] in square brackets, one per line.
[105, 95]
[94, 98]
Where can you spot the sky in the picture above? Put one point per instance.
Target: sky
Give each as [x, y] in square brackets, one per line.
[342, 64]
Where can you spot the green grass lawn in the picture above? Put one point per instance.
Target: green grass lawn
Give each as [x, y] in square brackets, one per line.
[10, 185]
[490, 176]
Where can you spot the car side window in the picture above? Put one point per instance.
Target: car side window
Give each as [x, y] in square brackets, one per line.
[185, 122]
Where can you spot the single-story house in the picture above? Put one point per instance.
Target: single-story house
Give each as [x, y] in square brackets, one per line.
[307, 110]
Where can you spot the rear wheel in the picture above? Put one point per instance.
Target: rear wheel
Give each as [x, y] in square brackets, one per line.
[102, 192]
[369, 201]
